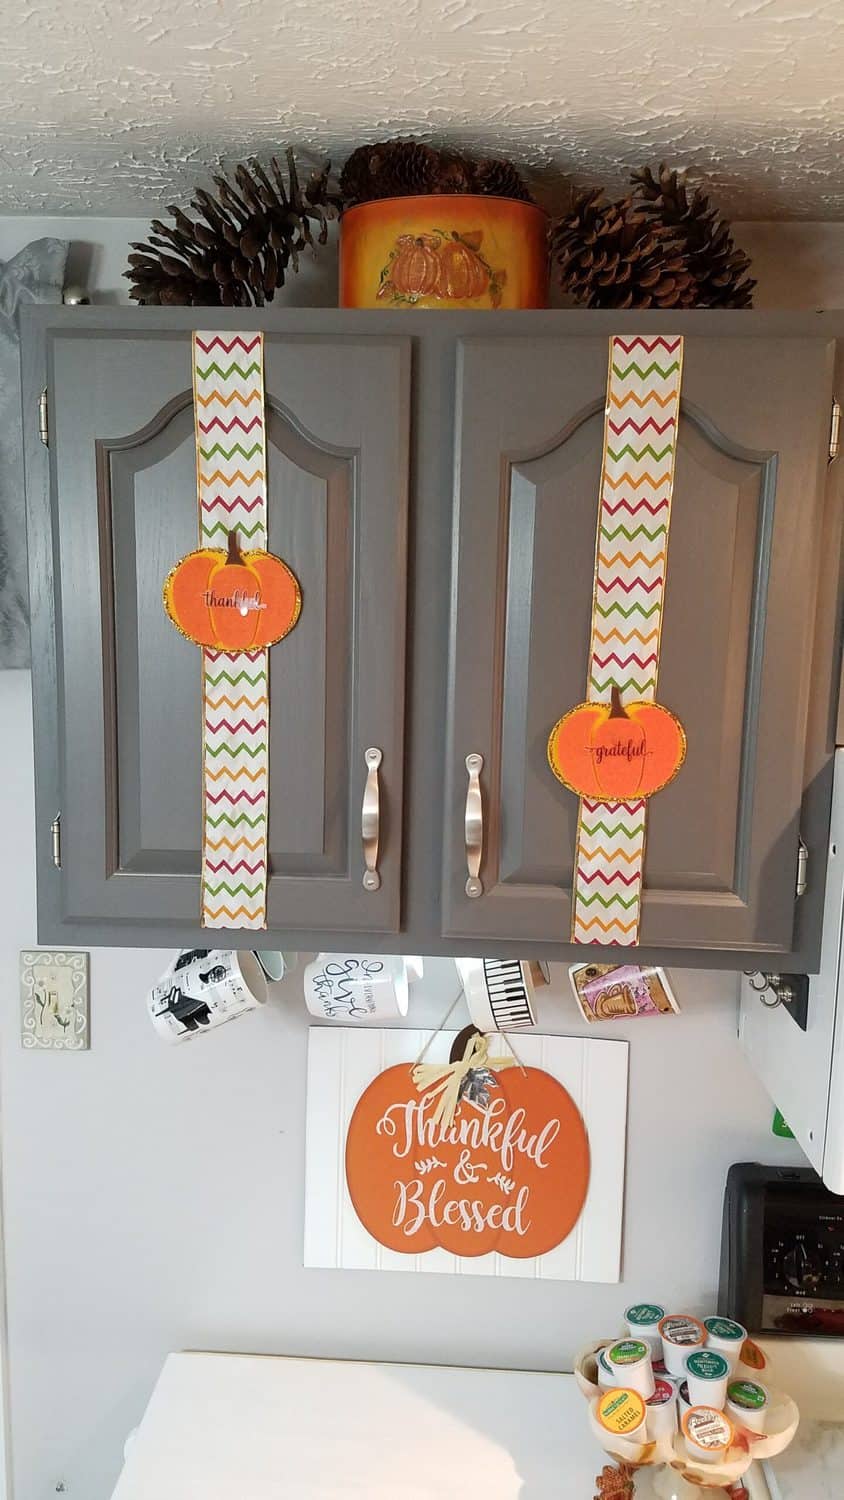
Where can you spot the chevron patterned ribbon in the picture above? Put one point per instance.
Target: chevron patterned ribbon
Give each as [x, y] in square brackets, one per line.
[637, 481]
[228, 385]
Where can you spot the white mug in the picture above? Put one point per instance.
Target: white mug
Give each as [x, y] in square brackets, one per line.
[499, 993]
[356, 987]
[203, 988]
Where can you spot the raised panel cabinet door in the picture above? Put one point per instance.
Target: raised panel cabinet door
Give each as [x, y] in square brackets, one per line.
[736, 644]
[125, 510]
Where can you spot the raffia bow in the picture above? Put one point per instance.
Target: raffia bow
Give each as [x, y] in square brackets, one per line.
[448, 1080]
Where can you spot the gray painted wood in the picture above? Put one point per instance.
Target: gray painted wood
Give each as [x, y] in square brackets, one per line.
[125, 504]
[424, 814]
[736, 643]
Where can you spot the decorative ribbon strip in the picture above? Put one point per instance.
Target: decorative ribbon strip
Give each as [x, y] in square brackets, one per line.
[228, 382]
[637, 481]
[452, 1081]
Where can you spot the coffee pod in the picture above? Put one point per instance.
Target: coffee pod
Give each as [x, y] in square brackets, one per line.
[643, 1320]
[680, 1336]
[707, 1373]
[661, 1410]
[709, 1434]
[606, 1378]
[630, 1362]
[415, 967]
[747, 1404]
[621, 1413]
[725, 1336]
[683, 1402]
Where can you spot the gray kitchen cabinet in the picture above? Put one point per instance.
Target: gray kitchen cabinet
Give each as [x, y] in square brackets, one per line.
[124, 510]
[737, 631]
[494, 424]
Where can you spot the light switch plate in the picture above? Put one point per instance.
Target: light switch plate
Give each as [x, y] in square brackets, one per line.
[54, 1001]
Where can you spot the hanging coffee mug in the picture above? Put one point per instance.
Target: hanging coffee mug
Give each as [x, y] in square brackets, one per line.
[499, 992]
[274, 964]
[357, 987]
[204, 987]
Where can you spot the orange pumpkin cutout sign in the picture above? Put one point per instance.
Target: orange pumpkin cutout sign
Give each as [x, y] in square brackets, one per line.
[615, 753]
[510, 1172]
[233, 600]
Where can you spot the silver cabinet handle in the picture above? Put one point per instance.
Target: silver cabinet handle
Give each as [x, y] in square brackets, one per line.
[474, 825]
[370, 820]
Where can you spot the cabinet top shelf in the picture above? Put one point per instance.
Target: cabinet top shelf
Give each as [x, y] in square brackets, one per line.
[551, 323]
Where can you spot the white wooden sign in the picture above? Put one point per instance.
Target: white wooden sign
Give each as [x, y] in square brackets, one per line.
[343, 1062]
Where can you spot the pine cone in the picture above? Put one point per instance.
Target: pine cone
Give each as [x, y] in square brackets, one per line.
[400, 169]
[615, 255]
[719, 268]
[388, 169]
[237, 252]
[455, 174]
[356, 177]
[499, 179]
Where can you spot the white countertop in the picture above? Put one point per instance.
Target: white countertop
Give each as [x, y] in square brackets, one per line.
[812, 1371]
[226, 1426]
[221, 1426]
[813, 1467]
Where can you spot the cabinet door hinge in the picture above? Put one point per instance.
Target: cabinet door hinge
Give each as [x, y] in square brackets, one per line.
[802, 868]
[44, 419]
[835, 430]
[56, 840]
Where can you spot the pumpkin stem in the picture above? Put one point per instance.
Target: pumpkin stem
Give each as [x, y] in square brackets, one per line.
[234, 553]
[617, 710]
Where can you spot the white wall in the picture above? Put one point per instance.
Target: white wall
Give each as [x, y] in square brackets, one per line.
[153, 1196]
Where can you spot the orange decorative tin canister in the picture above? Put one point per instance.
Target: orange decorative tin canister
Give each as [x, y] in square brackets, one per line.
[444, 250]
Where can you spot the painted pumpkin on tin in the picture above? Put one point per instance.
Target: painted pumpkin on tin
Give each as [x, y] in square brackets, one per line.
[617, 753]
[463, 274]
[415, 269]
[442, 266]
[233, 600]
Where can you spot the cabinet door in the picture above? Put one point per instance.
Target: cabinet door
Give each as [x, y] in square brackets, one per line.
[125, 509]
[736, 641]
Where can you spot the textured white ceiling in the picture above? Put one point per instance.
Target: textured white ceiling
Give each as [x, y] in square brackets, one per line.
[119, 106]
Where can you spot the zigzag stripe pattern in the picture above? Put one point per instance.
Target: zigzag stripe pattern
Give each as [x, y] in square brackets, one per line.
[231, 478]
[219, 400]
[668, 344]
[216, 341]
[638, 427]
[252, 534]
[622, 530]
[613, 833]
[610, 509]
[632, 556]
[247, 427]
[214, 820]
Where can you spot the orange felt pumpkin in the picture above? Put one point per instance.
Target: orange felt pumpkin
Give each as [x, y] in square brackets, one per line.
[416, 268]
[462, 273]
[616, 753]
[232, 601]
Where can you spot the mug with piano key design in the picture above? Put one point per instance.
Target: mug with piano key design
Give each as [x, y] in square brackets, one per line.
[499, 992]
